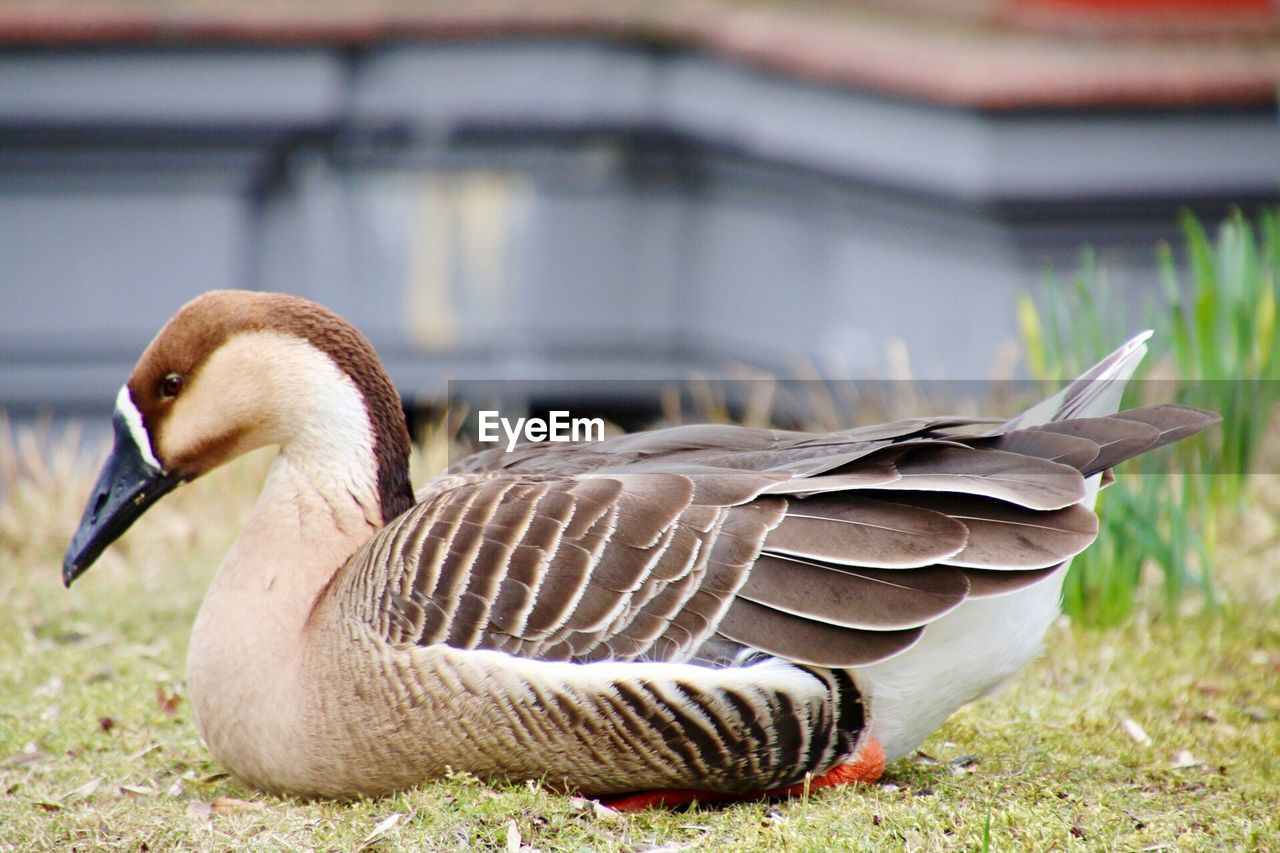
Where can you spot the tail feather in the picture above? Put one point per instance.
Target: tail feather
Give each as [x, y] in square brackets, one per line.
[1095, 394]
[1088, 409]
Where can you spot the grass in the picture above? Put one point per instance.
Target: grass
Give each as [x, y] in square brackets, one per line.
[98, 750]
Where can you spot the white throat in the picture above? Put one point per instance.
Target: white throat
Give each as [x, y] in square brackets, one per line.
[331, 450]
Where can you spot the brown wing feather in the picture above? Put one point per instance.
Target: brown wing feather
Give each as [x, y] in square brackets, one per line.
[1071, 450]
[1025, 480]
[986, 583]
[1172, 421]
[810, 641]
[873, 599]
[1117, 439]
[858, 531]
[1009, 537]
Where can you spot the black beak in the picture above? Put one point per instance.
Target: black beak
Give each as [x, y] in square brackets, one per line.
[127, 485]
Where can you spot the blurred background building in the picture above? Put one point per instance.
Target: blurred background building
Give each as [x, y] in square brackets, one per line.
[564, 189]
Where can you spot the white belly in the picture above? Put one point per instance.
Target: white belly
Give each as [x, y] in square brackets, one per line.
[964, 655]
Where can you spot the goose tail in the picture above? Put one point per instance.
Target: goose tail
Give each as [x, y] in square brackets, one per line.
[1096, 393]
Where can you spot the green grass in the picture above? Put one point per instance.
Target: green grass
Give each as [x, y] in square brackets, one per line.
[96, 753]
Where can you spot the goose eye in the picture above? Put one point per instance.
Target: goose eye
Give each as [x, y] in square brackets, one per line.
[171, 385]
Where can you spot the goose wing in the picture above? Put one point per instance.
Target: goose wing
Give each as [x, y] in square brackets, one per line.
[706, 543]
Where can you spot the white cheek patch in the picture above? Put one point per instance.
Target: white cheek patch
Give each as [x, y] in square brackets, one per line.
[133, 420]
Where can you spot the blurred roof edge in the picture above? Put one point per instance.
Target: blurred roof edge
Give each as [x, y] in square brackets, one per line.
[985, 54]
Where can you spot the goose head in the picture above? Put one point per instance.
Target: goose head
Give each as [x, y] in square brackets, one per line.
[233, 371]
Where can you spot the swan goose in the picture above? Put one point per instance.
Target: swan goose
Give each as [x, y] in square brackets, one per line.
[697, 611]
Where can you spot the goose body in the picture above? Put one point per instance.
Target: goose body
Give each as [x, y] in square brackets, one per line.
[707, 607]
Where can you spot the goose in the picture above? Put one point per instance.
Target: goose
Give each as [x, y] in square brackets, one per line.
[699, 612]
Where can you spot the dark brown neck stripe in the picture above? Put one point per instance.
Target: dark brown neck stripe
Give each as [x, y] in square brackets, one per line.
[355, 356]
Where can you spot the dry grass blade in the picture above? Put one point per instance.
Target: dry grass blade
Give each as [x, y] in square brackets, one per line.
[1135, 731]
[384, 826]
[232, 805]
